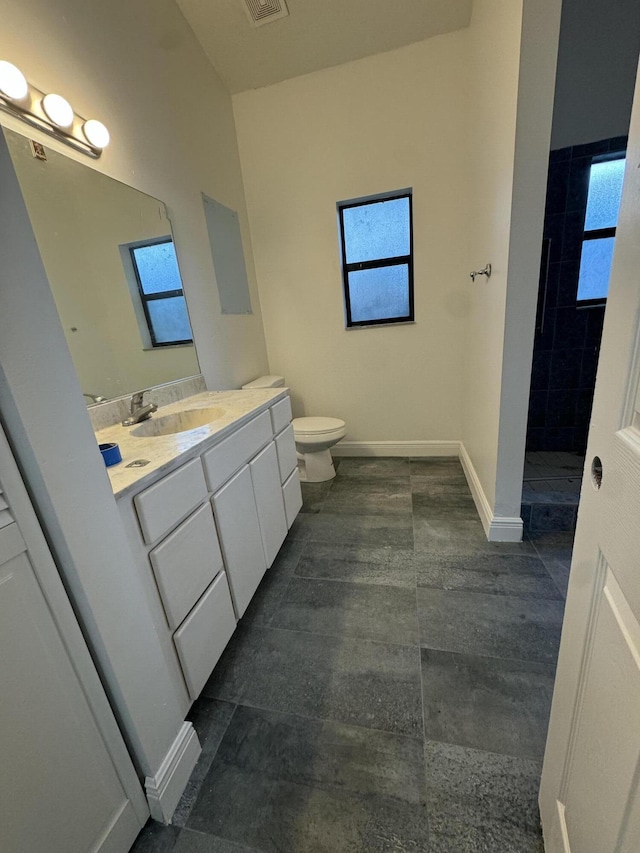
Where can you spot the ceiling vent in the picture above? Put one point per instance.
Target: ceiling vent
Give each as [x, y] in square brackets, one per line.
[263, 11]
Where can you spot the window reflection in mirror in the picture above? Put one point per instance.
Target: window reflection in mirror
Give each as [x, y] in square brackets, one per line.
[123, 335]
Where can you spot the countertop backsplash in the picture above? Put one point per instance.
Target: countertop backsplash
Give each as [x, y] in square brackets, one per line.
[115, 411]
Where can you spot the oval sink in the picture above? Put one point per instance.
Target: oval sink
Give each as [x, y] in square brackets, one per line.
[177, 422]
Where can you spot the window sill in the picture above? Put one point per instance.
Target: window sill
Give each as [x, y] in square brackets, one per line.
[167, 346]
[380, 325]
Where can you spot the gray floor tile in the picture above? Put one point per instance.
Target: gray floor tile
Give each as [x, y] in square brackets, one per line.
[368, 466]
[548, 516]
[370, 611]
[374, 531]
[313, 495]
[555, 545]
[367, 495]
[464, 536]
[480, 801]
[324, 754]
[301, 527]
[197, 842]
[210, 718]
[485, 703]
[348, 680]
[446, 506]
[497, 626]
[434, 466]
[156, 838]
[278, 816]
[284, 783]
[497, 574]
[274, 584]
[440, 486]
[559, 571]
[358, 564]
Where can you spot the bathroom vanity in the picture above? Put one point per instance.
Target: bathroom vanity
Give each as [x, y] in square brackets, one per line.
[206, 516]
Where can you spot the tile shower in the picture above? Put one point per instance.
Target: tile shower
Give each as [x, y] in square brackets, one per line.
[566, 348]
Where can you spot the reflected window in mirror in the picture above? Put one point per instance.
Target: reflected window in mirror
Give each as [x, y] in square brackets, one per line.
[160, 290]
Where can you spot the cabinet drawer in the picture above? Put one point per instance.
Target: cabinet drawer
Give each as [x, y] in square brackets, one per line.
[292, 494]
[202, 637]
[267, 489]
[163, 505]
[226, 458]
[281, 415]
[239, 530]
[286, 448]
[185, 564]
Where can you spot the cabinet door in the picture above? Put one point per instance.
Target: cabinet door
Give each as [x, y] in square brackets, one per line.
[203, 635]
[239, 531]
[185, 563]
[267, 488]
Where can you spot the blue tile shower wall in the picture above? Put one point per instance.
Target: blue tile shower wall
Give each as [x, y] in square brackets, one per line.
[566, 347]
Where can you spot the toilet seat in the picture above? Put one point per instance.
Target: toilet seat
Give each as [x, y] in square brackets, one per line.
[317, 426]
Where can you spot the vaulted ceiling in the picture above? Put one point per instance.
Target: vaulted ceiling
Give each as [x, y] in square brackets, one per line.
[316, 34]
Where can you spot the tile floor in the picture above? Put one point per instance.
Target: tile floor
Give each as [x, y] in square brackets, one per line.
[551, 490]
[388, 689]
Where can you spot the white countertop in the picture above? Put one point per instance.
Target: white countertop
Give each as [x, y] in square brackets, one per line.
[166, 452]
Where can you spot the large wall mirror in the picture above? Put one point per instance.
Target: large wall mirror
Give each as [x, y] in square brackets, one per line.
[109, 255]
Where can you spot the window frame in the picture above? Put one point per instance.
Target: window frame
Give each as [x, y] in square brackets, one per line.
[597, 233]
[378, 263]
[145, 298]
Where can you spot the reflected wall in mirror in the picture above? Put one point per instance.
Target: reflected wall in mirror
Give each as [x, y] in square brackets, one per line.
[109, 256]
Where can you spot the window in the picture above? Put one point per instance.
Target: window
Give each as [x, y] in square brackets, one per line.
[603, 201]
[160, 288]
[377, 259]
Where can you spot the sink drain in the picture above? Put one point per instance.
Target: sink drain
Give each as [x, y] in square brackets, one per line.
[137, 463]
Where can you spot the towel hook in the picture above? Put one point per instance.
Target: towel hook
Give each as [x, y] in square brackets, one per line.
[486, 271]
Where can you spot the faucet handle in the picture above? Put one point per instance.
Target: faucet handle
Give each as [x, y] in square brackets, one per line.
[137, 398]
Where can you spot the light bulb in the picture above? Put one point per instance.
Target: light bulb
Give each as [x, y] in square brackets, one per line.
[96, 133]
[13, 83]
[58, 110]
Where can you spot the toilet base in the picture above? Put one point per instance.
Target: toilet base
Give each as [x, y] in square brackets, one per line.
[316, 467]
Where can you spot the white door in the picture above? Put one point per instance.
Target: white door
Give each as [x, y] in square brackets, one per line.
[590, 794]
[67, 784]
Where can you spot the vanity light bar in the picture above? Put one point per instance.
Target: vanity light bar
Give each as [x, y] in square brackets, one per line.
[50, 113]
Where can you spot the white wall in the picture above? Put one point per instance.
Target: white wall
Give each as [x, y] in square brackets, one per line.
[598, 58]
[387, 122]
[138, 67]
[445, 117]
[512, 65]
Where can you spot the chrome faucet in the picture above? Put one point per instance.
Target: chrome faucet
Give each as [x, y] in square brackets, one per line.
[139, 412]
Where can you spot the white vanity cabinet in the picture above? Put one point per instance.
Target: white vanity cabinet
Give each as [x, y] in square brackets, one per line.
[267, 488]
[235, 510]
[207, 532]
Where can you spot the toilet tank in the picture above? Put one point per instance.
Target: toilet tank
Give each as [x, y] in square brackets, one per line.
[265, 382]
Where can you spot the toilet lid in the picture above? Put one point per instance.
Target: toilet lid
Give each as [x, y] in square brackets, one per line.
[313, 426]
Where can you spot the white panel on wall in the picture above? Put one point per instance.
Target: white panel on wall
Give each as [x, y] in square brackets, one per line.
[223, 226]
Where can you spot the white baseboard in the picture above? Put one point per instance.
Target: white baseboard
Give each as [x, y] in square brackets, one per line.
[165, 788]
[498, 528]
[396, 448]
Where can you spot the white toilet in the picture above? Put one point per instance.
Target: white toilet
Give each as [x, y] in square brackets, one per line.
[313, 437]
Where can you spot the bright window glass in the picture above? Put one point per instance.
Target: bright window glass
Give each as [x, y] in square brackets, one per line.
[595, 268]
[379, 293]
[169, 319]
[377, 259]
[377, 230]
[605, 191]
[158, 267]
[603, 203]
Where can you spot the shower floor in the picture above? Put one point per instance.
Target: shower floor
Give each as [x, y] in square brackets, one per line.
[551, 490]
